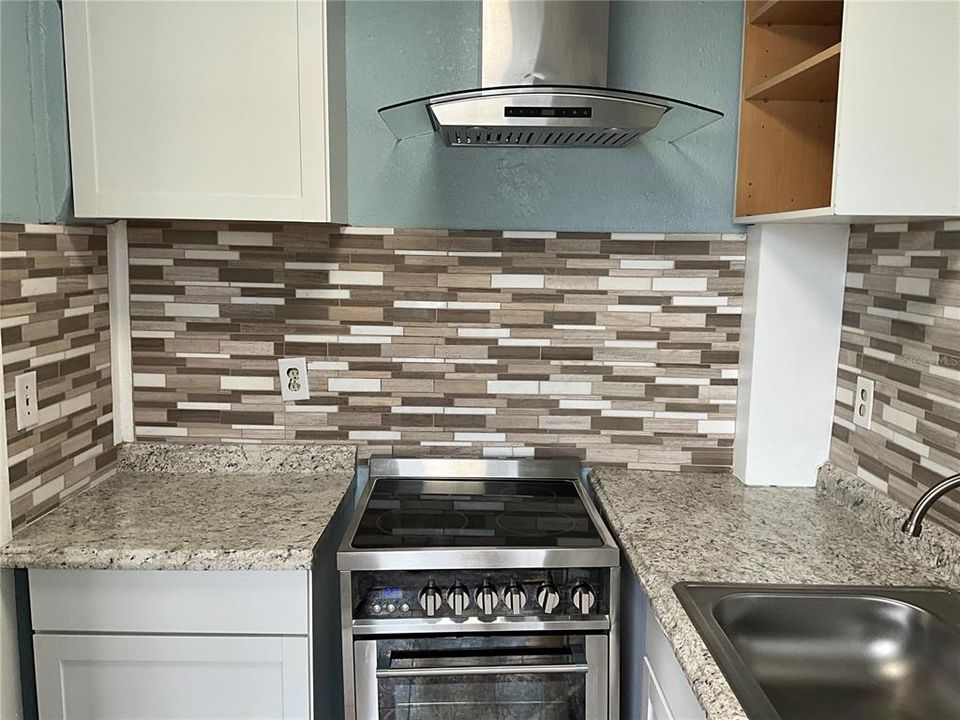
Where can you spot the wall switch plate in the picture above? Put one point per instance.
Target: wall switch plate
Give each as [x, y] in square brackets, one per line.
[293, 379]
[863, 403]
[26, 395]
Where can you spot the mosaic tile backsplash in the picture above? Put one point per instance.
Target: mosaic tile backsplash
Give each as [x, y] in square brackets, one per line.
[901, 327]
[619, 349]
[54, 319]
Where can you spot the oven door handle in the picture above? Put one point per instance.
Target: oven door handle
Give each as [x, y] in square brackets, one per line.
[482, 670]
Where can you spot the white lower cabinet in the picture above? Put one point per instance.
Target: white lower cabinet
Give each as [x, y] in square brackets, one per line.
[667, 694]
[172, 645]
[134, 677]
[655, 704]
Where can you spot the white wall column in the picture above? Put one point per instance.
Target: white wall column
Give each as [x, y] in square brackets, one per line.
[121, 359]
[790, 342]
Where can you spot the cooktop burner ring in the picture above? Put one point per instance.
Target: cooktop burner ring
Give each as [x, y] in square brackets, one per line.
[541, 521]
[431, 521]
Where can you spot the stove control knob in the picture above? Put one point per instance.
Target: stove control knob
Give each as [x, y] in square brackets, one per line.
[430, 599]
[458, 599]
[514, 598]
[377, 608]
[548, 598]
[583, 597]
[487, 598]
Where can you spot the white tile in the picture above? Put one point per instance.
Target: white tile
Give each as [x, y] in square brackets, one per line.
[203, 355]
[38, 286]
[480, 436]
[241, 237]
[376, 330]
[534, 234]
[310, 338]
[469, 411]
[462, 305]
[564, 387]
[323, 294]
[899, 418]
[355, 277]
[417, 409]
[420, 304]
[351, 230]
[616, 282]
[513, 387]
[14, 321]
[203, 405]
[353, 384]
[157, 380]
[584, 404]
[209, 310]
[374, 435]
[75, 404]
[483, 332]
[630, 343]
[889, 261]
[247, 300]
[152, 298]
[680, 284]
[699, 301]
[891, 227]
[245, 382]
[951, 312]
[913, 286]
[681, 381]
[719, 427]
[516, 281]
[508, 452]
[523, 342]
[327, 365]
[311, 265]
[634, 308]
[152, 334]
[636, 236]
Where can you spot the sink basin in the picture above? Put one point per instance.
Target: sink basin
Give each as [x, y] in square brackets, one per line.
[833, 652]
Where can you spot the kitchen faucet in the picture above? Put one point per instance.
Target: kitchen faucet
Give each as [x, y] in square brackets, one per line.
[912, 525]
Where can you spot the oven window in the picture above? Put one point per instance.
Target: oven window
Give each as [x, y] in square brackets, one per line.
[482, 678]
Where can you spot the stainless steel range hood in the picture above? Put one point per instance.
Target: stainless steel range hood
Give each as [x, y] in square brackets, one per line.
[543, 78]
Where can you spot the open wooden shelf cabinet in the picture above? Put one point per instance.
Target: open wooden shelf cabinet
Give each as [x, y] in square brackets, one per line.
[849, 109]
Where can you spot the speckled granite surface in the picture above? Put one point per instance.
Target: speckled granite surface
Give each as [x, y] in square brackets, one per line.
[200, 507]
[709, 527]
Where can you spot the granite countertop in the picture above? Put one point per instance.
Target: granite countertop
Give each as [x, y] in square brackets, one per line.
[195, 507]
[709, 527]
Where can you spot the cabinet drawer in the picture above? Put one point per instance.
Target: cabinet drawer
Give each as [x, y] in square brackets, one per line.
[170, 601]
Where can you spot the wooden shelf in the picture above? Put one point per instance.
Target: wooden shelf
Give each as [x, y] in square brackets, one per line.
[797, 12]
[813, 79]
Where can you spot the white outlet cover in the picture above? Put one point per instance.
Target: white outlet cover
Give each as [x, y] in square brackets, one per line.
[28, 414]
[293, 379]
[863, 403]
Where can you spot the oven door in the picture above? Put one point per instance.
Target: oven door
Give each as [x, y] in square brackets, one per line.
[491, 677]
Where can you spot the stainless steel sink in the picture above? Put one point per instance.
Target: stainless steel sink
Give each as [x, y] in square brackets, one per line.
[833, 652]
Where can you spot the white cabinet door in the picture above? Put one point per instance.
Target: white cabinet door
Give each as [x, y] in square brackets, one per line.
[218, 110]
[654, 705]
[136, 677]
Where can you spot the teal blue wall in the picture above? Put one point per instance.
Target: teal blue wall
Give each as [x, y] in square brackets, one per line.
[400, 50]
[34, 161]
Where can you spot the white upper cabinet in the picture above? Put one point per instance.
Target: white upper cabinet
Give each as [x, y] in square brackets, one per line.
[849, 110]
[207, 110]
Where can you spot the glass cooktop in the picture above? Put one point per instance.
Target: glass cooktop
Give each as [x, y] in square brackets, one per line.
[408, 513]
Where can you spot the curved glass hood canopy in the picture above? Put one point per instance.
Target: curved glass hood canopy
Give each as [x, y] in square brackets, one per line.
[544, 65]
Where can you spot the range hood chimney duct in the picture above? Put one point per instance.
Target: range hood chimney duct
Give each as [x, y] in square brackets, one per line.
[544, 84]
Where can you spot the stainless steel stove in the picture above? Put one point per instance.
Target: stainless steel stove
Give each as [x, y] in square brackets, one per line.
[478, 589]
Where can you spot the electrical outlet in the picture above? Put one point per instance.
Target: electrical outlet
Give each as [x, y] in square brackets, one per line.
[26, 391]
[293, 379]
[863, 403]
